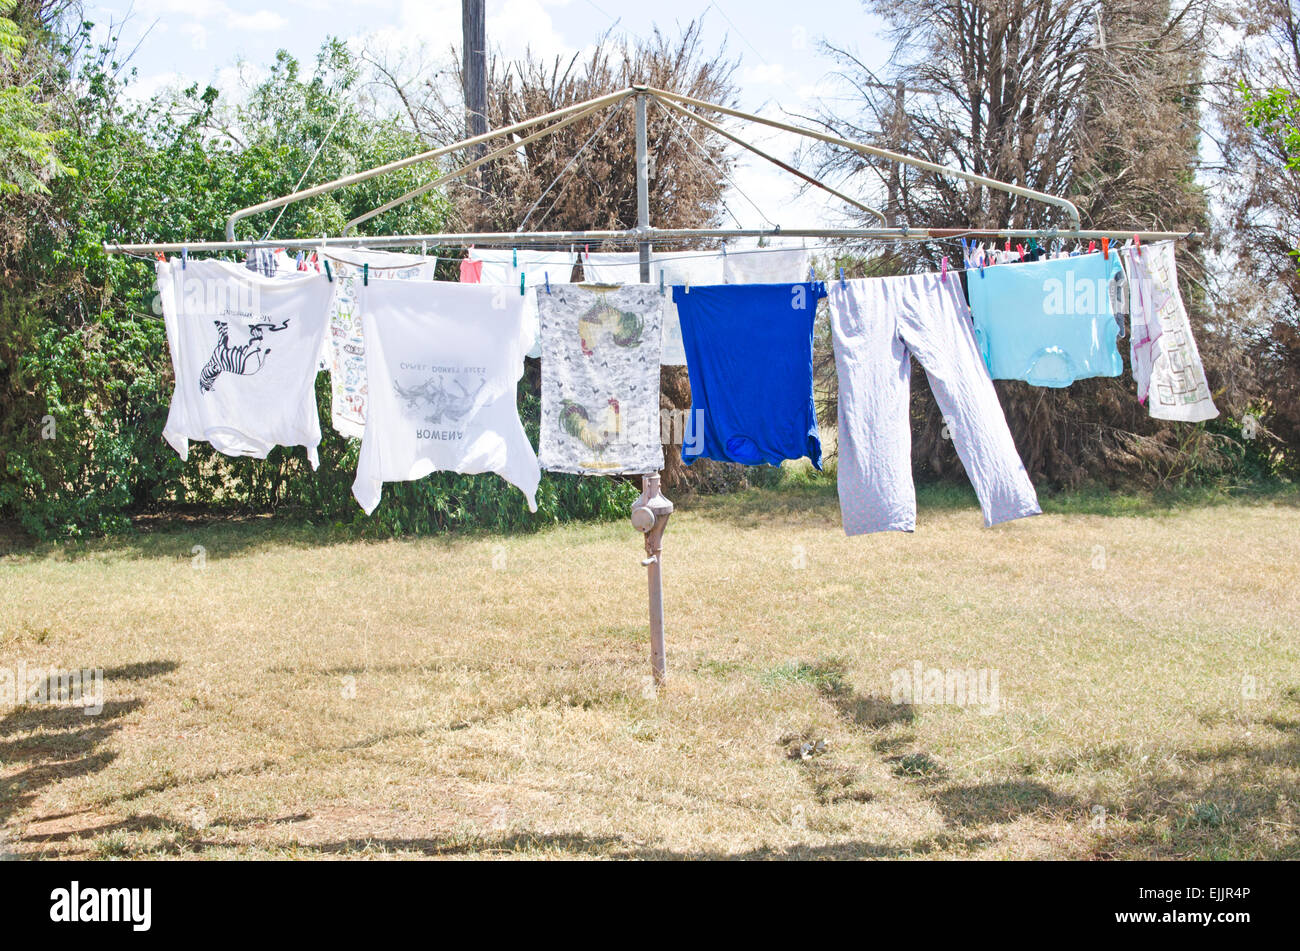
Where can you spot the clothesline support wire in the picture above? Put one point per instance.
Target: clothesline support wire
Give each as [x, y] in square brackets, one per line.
[784, 166]
[512, 146]
[721, 170]
[353, 179]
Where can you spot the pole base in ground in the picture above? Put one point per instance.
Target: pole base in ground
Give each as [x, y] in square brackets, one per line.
[650, 515]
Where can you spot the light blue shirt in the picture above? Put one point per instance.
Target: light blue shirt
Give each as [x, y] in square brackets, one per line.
[1047, 322]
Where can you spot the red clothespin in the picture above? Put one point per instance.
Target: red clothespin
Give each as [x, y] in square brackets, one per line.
[1021, 248]
[1137, 243]
[1105, 248]
[1092, 246]
[586, 252]
[943, 269]
[1008, 245]
[160, 256]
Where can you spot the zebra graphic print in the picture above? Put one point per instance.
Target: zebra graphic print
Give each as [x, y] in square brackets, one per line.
[241, 361]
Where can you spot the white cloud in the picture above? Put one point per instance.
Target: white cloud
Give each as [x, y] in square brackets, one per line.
[221, 14]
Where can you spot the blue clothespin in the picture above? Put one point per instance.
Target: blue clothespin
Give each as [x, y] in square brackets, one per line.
[185, 258]
[661, 283]
[297, 262]
[812, 274]
[842, 282]
[365, 274]
[548, 281]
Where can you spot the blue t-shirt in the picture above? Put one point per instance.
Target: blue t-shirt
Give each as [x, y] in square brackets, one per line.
[1048, 322]
[749, 350]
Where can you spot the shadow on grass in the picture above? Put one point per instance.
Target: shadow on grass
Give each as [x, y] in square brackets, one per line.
[1229, 801]
[46, 743]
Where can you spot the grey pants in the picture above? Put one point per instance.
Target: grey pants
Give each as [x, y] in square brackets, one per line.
[877, 323]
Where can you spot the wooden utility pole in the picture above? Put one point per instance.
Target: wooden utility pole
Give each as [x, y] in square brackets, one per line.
[473, 21]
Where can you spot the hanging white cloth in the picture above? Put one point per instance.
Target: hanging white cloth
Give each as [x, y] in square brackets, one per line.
[244, 350]
[442, 362]
[766, 265]
[1166, 363]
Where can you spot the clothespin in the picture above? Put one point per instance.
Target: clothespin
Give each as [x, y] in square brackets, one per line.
[586, 251]
[983, 258]
[521, 283]
[185, 258]
[943, 269]
[1105, 248]
[547, 275]
[328, 272]
[1008, 245]
[724, 248]
[297, 261]
[812, 273]
[661, 282]
[1137, 243]
[365, 275]
[514, 259]
[160, 256]
[842, 281]
[1020, 249]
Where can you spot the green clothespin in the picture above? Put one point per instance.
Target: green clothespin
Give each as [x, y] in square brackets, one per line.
[328, 272]
[365, 274]
[521, 284]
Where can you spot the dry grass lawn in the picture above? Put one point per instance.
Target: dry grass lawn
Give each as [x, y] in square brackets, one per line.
[306, 695]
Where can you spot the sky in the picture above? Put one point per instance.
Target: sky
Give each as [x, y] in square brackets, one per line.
[782, 69]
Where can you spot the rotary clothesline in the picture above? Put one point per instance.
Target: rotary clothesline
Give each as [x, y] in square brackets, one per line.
[651, 511]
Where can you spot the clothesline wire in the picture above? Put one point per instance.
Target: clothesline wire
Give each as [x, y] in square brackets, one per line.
[717, 190]
[563, 172]
[726, 176]
[307, 171]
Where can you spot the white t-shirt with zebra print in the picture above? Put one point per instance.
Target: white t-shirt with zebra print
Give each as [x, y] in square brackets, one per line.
[244, 350]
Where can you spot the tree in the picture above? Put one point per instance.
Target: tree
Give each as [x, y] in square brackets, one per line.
[1041, 94]
[1256, 108]
[28, 146]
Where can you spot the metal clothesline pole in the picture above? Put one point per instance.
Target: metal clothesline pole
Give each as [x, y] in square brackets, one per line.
[651, 511]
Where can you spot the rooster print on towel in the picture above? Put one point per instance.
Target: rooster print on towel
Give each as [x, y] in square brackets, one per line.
[244, 360]
[600, 379]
